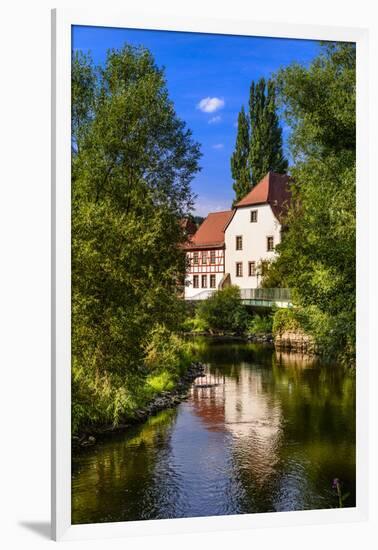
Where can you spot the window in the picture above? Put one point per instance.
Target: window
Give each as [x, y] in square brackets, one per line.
[239, 269]
[239, 242]
[212, 257]
[253, 216]
[195, 258]
[204, 281]
[251, 269]
[195, 281]
[269, 244]
[212, 281]
[204, 258]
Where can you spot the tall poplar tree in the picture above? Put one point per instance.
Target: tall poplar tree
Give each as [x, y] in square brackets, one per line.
[240, 171]
[265, 149]
[259, 147]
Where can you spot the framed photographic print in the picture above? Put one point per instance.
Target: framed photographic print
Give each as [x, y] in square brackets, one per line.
[209, 304]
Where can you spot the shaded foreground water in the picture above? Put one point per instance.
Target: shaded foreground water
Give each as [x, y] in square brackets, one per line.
[270, 436]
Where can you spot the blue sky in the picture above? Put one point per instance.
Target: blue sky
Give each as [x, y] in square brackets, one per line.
[208, 78]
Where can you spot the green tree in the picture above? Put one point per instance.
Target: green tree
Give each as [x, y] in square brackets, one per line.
[317, 255]
[239, 161]
[132, 164]
[265, 149]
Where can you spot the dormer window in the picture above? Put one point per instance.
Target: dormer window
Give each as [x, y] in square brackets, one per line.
[253, 216]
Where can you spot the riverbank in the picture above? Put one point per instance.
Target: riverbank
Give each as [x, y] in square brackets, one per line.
[164, 400]
[257, 338]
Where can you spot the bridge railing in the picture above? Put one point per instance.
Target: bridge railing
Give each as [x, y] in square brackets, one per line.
[266, 294]
[202, 295]
[278, 295]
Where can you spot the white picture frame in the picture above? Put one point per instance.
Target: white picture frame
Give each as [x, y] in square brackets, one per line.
[62, 21]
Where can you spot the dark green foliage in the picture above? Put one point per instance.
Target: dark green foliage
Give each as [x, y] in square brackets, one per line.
[287, 319]
[132, 164]
[198, 220]
[224, 312]
[317, 255]
[261, 325]
[319, 102]
[83, 86]
[265, 151]
[272, 277]
[328, 332]
[240, 171]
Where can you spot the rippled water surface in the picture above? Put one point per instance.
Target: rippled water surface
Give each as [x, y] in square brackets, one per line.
[270, 434]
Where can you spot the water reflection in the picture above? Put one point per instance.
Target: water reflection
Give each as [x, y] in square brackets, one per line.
[261, 432]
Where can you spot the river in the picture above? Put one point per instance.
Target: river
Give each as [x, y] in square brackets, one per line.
[266, 432]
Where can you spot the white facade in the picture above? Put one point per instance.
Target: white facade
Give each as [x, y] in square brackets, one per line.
[205, 272]
[257, 239]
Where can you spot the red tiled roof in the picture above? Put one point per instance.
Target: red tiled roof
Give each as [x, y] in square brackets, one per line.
[272, 189]
[211, 232]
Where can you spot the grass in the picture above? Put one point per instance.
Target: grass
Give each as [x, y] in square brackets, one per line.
[158, 383]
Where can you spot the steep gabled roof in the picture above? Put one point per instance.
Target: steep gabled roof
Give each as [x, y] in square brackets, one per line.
[273, 189]
[210, 233]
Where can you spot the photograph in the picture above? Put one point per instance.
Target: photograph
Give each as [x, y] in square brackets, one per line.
[213, 274]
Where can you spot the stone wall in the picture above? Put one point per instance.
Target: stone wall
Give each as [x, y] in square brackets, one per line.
[296, 341]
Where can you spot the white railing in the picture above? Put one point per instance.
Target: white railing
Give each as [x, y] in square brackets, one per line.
[254, 296]
[202, 295]
[266, 294]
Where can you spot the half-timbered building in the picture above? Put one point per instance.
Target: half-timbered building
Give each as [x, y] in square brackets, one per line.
[232, 247]
[205, 256]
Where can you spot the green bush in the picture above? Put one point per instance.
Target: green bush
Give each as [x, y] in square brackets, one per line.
[223, 312]
[285, 319]
[166, 352]
[195, 324]
[260, 325]
[160, 382]
[107, 398]
[330, 333]
[99, 398]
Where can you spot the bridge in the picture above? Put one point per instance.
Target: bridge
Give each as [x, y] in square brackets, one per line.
[257, 297]
[266, 297]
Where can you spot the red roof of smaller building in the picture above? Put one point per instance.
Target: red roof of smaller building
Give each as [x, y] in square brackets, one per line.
[272, 189]
[210, 233]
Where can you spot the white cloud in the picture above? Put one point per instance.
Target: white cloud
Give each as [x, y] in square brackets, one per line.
[215, 119]
[218, 146]
[210, 104]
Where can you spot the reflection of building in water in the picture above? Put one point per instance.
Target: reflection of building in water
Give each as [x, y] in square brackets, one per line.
[208, 398]
[241, 407]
